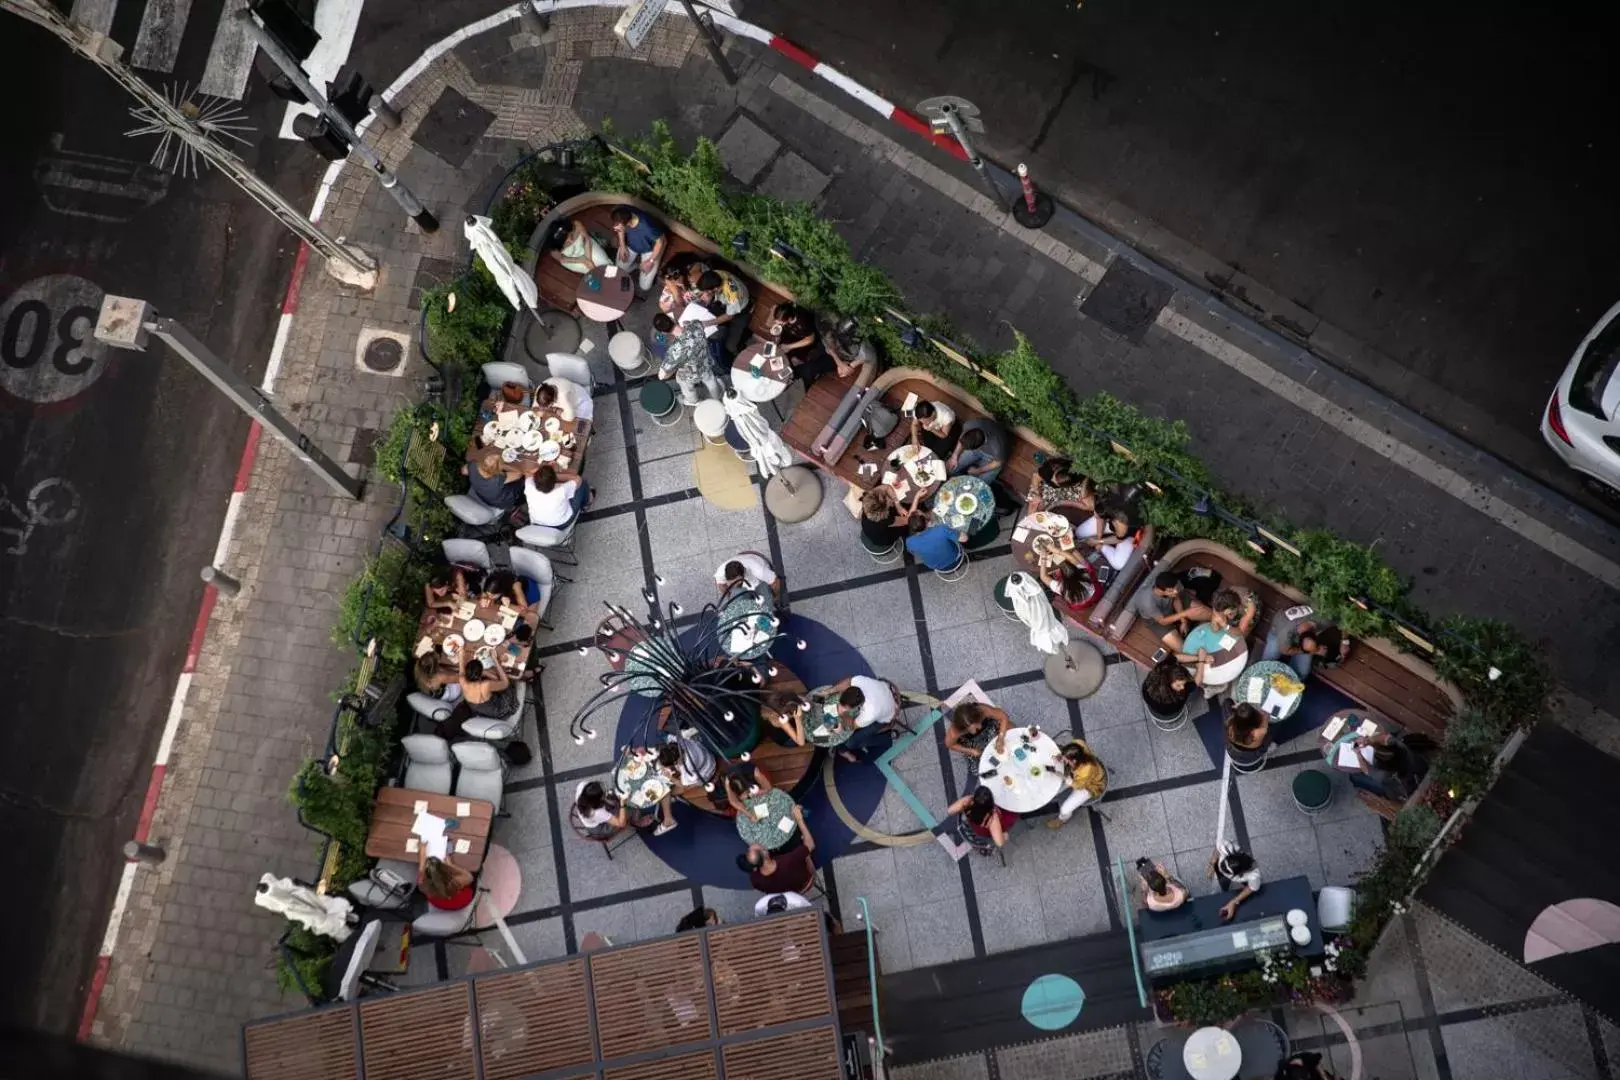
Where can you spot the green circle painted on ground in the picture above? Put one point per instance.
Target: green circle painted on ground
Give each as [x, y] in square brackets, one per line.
[1052, 1002]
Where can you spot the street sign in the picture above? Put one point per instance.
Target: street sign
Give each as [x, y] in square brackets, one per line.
[637, 21]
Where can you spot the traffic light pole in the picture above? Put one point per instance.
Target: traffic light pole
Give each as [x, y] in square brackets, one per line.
[340, 123]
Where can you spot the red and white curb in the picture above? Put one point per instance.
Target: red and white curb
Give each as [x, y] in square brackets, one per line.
[154, 789]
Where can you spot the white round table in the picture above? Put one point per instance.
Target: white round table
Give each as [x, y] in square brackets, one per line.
[1029, 790]
[756, 388]
[1212, 1053]
[1223, 674]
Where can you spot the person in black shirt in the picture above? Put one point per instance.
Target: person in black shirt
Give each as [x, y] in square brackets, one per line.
[794, 331]
[883, 519]
[489, 481]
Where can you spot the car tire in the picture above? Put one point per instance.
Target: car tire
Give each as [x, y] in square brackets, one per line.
[1606, 492]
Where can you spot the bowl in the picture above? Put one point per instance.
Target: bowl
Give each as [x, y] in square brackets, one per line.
[1301, 935]
[548, 451]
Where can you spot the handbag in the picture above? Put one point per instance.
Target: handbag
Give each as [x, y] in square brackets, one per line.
[879, 420]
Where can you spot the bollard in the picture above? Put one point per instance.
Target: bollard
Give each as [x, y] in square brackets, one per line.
[1034, 209]
[386, 117]
[135, 851]
[226, 585]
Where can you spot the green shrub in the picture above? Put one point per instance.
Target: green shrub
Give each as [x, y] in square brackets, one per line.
[307, 956]
[471, 334]
[1468, 765]
[384, 603]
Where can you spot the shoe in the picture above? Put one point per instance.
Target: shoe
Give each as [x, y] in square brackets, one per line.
[664, 827]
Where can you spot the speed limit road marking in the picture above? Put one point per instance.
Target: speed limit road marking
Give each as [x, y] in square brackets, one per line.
[48, 351]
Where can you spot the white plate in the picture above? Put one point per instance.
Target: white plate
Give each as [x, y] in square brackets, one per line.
[510, 455]
[526, 422]
[553, 424]
[548, 451]
[491, 431]
[452, 645]
[474, 629]
[486, 656]
[532, 441]
[966, 504]
[494, 634]
[636, 770]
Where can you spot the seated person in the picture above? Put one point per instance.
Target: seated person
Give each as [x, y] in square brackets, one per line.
[1390, 768]
[1247, 731]
[571, 400]
[662, 333]
[789, 870]
[446, 886]
[1168, 609]
[642, 244]
[851, 353]
[674, 290]
[1071, 587]
[490, 480]
[883, 519]
[1231, 613]
[984, 824]
[1056, 483]
[973, 726]
[436, 680]
[868, 705]
[571, 245]
[933, 424]
[794, 331]
[488, 692]
[603, 814]
[504, 585]
[1113, 536]
[553, 502]
[1168, 686]
[1299, 636]
[722, 287]
[981, 450]
[1088, 780]
[446, 588]
[1234, 869]
[747, 570]
[787, 713]
[1156, 890]
[937, 546]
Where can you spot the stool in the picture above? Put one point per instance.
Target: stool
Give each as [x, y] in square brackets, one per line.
[738, 444]
[956, 571]
[1003, 601]
[660, 402]
[1313, 791]
[883, 556]
[710, 418]
[985, 536]
[628, 354]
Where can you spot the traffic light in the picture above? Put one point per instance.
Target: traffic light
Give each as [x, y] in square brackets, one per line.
[319, 134]
[350, 94]
[288, 26]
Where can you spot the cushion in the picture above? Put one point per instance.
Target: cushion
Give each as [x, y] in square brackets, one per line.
[480, 756]
[1312, 788]
[426, 749]
[656, 397]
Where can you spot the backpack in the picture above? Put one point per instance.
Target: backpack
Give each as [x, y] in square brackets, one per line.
[879, 420]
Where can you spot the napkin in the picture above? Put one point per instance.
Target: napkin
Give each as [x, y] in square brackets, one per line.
[420, 806]
[1347, 755]
[1335, 726]
[507, 420]
[1019, 534]
[1254, 691]
[463, 846]
[1367, 729]
[1227, 641]
[888, 478]
[761, 811]
[463, 809]
[424, 646]
[1276, 704]
[786, 825]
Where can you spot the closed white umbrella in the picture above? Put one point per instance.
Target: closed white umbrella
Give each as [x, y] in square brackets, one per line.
[1046, 631]
[327, 915]
[772, 454]
[519, 288]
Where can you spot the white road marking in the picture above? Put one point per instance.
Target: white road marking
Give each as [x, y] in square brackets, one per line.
[96, 15]
[230, 56]
[163, 24]
[48, 353]
[177, 704]
[335, 21]
[126, 882]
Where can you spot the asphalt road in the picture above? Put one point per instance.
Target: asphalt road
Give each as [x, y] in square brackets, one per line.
[1436, 180]
[129, 459]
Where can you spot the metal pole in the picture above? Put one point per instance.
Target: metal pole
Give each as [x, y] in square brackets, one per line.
[385, 176]
[104, 54]
[711, 41]
[959, 130]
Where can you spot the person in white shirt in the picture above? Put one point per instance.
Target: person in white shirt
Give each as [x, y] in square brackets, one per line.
[1235, 869]
[571, 400]
[868, 705]
[747, 571]
[782, 901]
[553, 502]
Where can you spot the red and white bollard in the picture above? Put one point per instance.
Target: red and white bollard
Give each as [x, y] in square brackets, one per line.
[1034, 209]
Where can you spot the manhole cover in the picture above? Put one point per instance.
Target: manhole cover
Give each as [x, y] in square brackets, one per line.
[1127, 300]
[383, 355]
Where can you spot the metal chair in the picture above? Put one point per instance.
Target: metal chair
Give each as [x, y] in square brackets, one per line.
[497, 373]
[559, 540]
[473, 553]
[531, 564]
[622, 835]
[470, 510]
[955, 572]
[1004, 601]
[883, 556]
[483, 773]
[427, 763]
[663, 407]
[573, 368]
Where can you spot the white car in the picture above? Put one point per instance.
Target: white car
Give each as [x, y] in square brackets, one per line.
[1582, 421]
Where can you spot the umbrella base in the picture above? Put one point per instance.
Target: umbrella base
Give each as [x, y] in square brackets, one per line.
[552, 332]
[793, 495]
[1075, 672]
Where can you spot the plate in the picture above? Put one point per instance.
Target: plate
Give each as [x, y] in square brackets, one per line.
[474, 629]
[636, 770]
[452, 645]
[653, 790]
[553, 424]
[494, 634]
[532, 441]
[492, 431]
[966, 504]
[510, 454]
[548, 451]
[486, 656]
[526, 421]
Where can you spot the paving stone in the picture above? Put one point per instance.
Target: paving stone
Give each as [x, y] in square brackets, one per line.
[746, 148]
[793, 179]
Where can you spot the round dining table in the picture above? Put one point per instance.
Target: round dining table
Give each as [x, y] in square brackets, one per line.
[605, 295]
[638, 780]
[965, 503]
[1343, 726]
[908, 465]
[1058, 524]
[767, 820]
[1225, 663]
[821, 725]
[760, 379]
[1255, 683]
[1028, 776]
[1212, 1053]
[748, 623]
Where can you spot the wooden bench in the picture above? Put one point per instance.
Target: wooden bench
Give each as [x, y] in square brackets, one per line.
[1376, 674]
[595, 209]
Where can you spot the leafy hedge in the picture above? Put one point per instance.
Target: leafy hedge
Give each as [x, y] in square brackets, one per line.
[1113, 441]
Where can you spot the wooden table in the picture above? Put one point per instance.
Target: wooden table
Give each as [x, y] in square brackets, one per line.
[395, 812]
[1353, 720]
[774, 377]
[605, 295]
[1058, 522]
[897, 477]
[435, 626]
[548, 422]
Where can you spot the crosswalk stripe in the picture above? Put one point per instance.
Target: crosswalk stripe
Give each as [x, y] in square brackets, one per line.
[163, 24]
[94, 15]
[230, 56]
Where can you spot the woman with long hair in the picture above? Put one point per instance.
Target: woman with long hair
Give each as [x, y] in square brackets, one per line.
[1159, 890]
[446, 886]
[984, 824]
[973, 726]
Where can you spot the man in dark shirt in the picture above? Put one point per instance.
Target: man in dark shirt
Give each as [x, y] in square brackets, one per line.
[641, 244]
[489, 481]
[781, 871]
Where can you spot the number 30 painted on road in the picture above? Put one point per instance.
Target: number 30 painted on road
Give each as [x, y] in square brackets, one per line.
[48, 350]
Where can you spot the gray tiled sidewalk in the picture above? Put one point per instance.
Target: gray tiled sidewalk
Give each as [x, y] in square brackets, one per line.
[194, 957]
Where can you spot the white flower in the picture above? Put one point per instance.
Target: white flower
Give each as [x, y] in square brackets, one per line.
[1331, 966]
[1316, 972]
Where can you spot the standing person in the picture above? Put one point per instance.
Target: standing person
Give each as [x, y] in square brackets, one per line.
[1234, 869]
[554, 502]
[980, 451]
[641, 244]
[726, 289]
[689, 361]
[984, 825]
[1088, 781]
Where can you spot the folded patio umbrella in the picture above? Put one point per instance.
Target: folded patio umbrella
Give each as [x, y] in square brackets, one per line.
[519, 288]
[772, 454]
[327, 915]
[1046, 631]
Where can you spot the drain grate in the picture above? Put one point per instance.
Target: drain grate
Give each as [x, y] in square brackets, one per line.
[383, 355]
[1127, 300]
